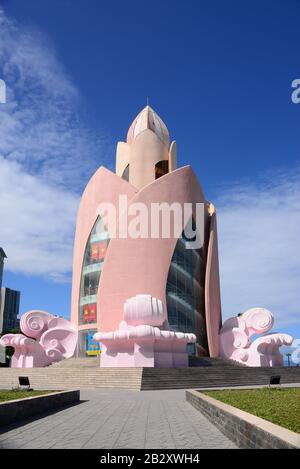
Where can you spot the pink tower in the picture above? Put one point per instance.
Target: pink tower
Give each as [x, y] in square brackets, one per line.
[153, 274]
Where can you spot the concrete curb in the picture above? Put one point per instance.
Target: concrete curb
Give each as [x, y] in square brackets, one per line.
[19, 409]
[244, 429]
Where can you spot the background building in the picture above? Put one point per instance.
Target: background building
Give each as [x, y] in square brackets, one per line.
[2, 257]
[9, 303]
[9, 310]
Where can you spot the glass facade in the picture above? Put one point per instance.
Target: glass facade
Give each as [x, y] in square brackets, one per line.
[91, 271]
[9, 309]
[185, 295]
[87, 347]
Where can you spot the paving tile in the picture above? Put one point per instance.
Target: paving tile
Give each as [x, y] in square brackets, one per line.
[119, 419]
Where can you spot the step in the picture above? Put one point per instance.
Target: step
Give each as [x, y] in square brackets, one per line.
[55, 377]
[91, 362]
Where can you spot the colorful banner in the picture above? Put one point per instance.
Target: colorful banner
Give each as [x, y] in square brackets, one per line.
[93, 348]
[89, 313]
[102, 250]
[98, 251]
[86, 314]
[93, 312]
[94, 252]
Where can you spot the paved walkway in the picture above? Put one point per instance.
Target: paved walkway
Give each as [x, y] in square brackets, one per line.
[119, 419]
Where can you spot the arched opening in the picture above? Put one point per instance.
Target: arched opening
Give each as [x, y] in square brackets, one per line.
[125, 174]
[93, 261]
[161, 168]
[185, 295]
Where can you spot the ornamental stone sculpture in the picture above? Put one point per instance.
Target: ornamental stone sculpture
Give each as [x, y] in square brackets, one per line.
[47, 339]
[144, 338]
[236, 345]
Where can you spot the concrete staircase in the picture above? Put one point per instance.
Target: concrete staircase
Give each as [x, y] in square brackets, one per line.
[86, 373]
[207, 361]
[94, 362]
[70, 377]
[91, 362]
[214, 376]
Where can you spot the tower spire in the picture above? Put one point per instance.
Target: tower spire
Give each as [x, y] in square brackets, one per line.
[147, 153]
[149, 119]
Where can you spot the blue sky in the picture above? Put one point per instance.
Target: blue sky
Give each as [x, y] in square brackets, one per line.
[219, 74]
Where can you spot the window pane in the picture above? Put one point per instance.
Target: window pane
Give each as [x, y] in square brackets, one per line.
[161, 168]
[185, 294]
[125, 174]
[94, 256]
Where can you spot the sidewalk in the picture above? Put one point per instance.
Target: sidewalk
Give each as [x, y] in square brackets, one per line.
[120, 419]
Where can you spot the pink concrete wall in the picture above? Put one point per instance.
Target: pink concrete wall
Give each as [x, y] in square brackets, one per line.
[212, 290]
[104, 186]
[138, 266]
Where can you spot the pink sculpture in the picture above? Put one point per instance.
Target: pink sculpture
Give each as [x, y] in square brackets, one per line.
[48, 339]
[235, 341]
[144, 338]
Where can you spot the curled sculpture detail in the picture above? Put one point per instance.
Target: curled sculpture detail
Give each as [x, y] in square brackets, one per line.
[144, 338]
[34, 323]
[48, 339]
[236, 345]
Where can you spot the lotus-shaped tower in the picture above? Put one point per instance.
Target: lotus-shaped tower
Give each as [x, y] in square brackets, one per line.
[111, 268]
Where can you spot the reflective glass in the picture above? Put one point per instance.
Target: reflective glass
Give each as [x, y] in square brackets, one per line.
[185, 295]
[94, 256]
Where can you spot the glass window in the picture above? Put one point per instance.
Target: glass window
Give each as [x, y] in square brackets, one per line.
[94, 256]
[87, 347]
[125, 174]
[161, 168]
[185, 295]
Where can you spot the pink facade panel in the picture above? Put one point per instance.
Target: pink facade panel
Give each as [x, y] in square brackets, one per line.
[138, 266]
[104, 186]
[212, 290]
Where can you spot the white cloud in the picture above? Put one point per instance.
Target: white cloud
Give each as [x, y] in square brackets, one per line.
[37, 223]
[40, 125]
[259, 235]
[47, 154]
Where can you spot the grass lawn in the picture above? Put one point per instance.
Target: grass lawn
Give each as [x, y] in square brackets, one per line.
[11, 395]
[280, 406]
